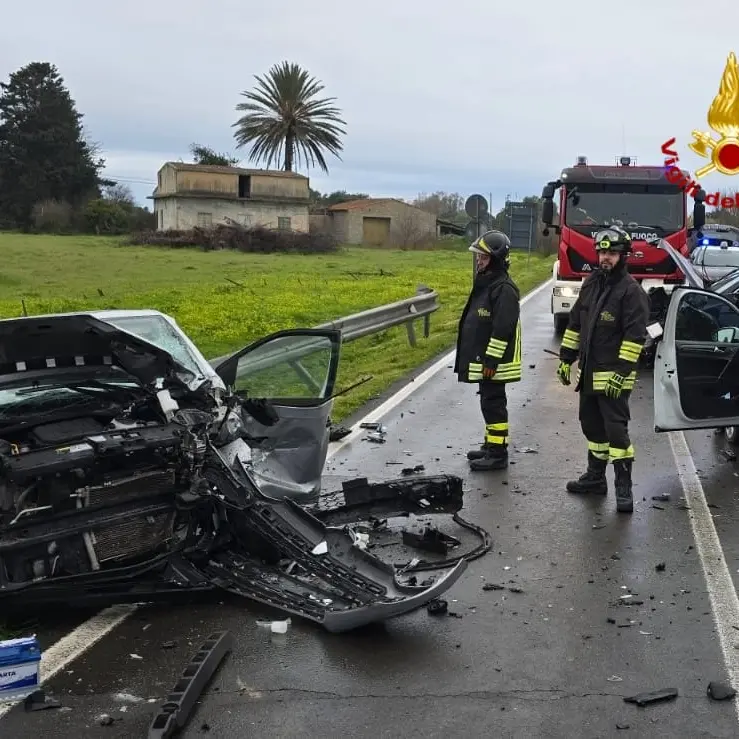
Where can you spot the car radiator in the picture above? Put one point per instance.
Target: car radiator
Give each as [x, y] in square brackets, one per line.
[142, 534]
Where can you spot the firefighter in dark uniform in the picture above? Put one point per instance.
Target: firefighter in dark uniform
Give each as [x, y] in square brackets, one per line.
[606, 334]
[489, 345]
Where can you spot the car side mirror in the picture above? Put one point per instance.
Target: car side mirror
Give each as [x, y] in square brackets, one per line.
[699, 215]
[547, 212]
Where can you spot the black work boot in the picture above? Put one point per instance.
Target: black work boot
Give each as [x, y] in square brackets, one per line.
[478, 453]
[624, 496]
[594, 479]
[495, 458]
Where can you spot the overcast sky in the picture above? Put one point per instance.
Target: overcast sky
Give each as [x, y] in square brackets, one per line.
[494, 97]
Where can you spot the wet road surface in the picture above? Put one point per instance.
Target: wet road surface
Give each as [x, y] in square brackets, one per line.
[554, 660]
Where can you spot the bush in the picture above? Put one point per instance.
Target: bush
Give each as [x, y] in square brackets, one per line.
[255, 239]
[53, 216]
[112, 217]
[106, 217]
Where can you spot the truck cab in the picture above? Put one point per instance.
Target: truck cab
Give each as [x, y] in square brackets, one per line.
[643, 200]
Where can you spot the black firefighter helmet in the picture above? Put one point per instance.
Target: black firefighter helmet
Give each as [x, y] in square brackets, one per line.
[613, 238]
[496, 245]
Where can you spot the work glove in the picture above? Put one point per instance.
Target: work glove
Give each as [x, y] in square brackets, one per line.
[488, 373]
[614, 386]
[563, 372]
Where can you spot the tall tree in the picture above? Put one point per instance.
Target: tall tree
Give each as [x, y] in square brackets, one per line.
[206, 155]
[119, 193]
[284, 121]
[43, 153]
[446, 205]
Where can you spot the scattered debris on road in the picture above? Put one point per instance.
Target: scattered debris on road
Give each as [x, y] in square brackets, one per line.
[432, 540]
[378, 432]
[275, 627]
[337, 433]
[437, 607]
[180, 703]
[493, 586]
[376, 438]
[720, 691]
[39, 701]
[657, 696]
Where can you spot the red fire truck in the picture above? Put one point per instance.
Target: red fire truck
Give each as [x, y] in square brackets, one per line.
[643, 201]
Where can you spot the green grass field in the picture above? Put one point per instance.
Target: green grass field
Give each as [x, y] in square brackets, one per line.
[224, 300]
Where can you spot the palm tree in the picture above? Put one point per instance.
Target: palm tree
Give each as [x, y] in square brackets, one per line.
[282, 112]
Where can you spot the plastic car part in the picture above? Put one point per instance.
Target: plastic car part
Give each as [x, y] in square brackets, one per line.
[342, 588]
[432, 540]
[181, 700]
[359, 499]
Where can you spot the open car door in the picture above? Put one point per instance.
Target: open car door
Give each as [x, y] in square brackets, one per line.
[692, 277]
[295, 370]
[696, 372]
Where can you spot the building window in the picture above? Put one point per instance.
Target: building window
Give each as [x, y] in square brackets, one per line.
[283, 223]
[205, 220]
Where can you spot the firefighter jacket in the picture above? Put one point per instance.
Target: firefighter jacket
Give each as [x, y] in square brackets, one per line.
[489, 332]
[607, 330]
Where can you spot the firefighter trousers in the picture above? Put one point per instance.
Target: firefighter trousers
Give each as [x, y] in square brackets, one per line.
[605, 425]
[494, 407]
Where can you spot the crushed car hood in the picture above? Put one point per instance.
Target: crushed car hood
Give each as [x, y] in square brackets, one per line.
[44, 343]
[692, 277]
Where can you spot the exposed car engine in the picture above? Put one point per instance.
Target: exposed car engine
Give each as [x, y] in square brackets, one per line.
[83, 494]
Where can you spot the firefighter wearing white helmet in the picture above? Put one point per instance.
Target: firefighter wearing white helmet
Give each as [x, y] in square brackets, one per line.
[489, 345]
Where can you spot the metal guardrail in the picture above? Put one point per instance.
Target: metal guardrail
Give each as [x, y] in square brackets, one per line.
[374, 320]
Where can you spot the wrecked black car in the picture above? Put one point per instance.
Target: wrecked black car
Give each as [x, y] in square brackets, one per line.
[131, 470]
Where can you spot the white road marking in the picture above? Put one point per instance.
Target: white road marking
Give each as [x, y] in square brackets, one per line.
[79, 640]
[721, 590]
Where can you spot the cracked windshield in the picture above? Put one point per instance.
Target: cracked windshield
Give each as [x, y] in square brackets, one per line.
[156, 330]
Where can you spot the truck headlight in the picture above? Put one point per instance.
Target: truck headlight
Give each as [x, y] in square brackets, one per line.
[566, 292]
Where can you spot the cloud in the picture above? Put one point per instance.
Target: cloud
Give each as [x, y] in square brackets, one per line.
[464, 96]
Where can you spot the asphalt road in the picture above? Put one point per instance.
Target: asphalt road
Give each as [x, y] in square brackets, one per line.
[554, 660]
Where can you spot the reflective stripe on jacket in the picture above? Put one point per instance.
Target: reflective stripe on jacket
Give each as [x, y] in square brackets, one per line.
[489, 333]
[607, 330]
